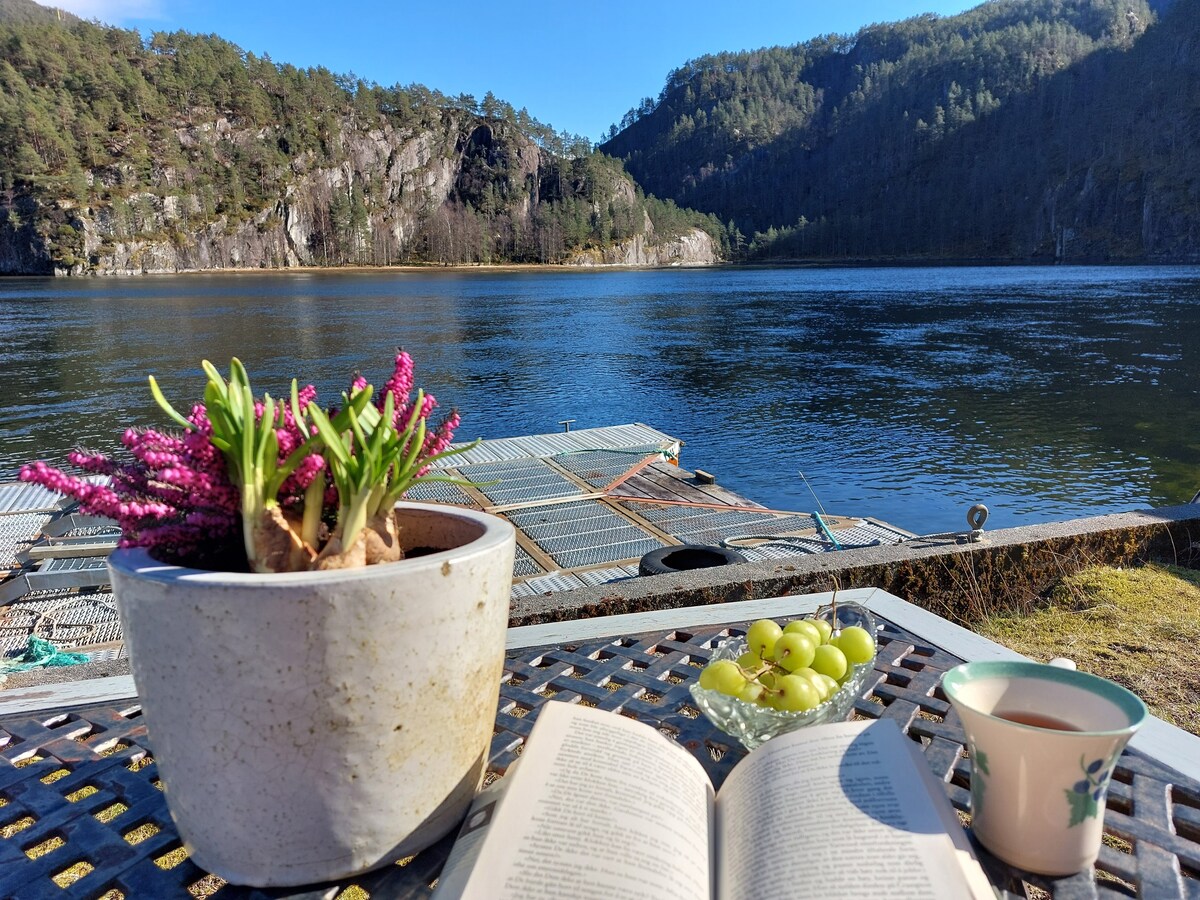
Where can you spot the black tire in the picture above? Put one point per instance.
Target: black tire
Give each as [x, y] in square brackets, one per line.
[685, 558]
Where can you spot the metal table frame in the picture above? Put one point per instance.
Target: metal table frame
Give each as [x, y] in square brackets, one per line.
[58, 742]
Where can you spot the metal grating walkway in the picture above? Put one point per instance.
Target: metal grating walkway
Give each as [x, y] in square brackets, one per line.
[518, 481]
[614, 437]
[581, 534]
[863, 534]
[17, 531]
[600, 468]
[19, 498]
[70, 619]
[697, 525]
[524, 564]
[439, 492]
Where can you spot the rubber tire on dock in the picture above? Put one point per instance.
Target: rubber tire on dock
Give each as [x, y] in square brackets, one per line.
[686, 557]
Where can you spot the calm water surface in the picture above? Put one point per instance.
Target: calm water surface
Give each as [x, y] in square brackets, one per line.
[906, 394]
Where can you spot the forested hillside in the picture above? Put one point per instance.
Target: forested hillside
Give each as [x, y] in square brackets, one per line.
[1020, 129]
[184, 152]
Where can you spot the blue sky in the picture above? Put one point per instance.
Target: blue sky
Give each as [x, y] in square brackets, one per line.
[576, 66]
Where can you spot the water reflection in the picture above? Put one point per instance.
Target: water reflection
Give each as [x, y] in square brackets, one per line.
[907, 394]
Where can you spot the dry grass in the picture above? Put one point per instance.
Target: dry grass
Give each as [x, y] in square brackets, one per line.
[1140, 627]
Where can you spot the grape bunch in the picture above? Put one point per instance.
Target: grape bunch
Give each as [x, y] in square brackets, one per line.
[795, 668]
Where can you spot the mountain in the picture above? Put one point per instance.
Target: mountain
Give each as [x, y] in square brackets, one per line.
[184, 153]
[1021, 129]
[25, 12]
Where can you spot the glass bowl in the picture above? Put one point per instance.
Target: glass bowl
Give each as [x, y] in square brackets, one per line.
[753, 724]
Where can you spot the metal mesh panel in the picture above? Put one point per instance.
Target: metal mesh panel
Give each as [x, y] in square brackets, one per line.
[777, 551]
[524, 564]
[66, 618]
[560, 518]
[592, 556]
[862, 534]
[583, 534]
[869, 532]
[697, 525]
[439, 492]
[74, 564]
[17, 531]
[547, 584]
[519, 481]
[111, 653]
[18, 498]
[613, 437]
[600, 468]
[607, 576]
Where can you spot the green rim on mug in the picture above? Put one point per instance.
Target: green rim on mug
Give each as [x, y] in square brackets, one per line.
[1127, 701]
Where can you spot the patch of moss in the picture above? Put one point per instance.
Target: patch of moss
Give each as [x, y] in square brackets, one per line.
[1139, 627]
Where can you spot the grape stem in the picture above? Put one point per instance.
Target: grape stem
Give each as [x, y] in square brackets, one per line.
[837, 586]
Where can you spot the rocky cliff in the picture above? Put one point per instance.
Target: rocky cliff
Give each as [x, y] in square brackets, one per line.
[391, 195]
[694, 248]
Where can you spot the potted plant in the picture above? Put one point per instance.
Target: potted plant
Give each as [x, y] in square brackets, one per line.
[318, 662]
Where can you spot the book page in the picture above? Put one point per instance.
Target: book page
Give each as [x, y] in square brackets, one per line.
[471, 836]
[602, 808]
[837, 812]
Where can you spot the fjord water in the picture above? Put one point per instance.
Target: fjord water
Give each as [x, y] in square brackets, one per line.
[906, 393]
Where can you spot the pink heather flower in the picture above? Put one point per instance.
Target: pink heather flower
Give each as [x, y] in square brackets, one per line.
[171, 493]
[439, 440]
[428, 406]
[96, 463]
[400, 385]
[199, 418]
[155, 491]
[357, 384]
[297, 483]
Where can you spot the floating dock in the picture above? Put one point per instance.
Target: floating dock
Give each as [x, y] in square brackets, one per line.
[586, 504]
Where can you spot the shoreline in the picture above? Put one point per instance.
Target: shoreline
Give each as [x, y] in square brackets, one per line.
[521, 268]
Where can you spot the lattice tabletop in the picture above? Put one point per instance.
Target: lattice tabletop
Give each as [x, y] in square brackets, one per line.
[82, 814]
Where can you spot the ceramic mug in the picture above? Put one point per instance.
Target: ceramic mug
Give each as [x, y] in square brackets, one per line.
[1043, 742]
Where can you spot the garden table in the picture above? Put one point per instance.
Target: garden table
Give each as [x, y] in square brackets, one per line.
[82, 813]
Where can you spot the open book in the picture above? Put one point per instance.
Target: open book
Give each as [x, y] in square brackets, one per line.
[602, 807]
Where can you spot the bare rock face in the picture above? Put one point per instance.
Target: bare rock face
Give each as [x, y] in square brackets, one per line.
[400, 178]
[693, 248]
[696, 248]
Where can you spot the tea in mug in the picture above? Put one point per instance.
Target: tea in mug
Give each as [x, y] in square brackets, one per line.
[1036, 720]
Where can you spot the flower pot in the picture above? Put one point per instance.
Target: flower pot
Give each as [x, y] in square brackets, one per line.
[314, 725]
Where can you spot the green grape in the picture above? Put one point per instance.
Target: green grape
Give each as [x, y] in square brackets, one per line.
[857, 644]
[724, 676]
[796, 693]
[805, 626]
[794, 650]
[825, 628]
[749, 661]
[815, 677]
[761, 637]
[767, 679]
[829, 660]
[752, 692]
[831, 687]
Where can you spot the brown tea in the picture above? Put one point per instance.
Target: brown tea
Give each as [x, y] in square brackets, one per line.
[1036, 720]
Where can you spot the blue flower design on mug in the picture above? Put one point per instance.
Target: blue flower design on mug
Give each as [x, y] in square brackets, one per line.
[1086, 794]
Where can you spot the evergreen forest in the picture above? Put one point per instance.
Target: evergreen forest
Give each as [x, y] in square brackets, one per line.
[111, 144]
[1021, 129]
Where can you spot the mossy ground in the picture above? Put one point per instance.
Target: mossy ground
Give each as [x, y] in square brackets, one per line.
[1139, 627]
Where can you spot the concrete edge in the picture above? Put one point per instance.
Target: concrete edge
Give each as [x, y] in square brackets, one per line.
[804, 574]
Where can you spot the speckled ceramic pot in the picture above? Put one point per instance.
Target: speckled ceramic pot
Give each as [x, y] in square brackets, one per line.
[313, 725]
